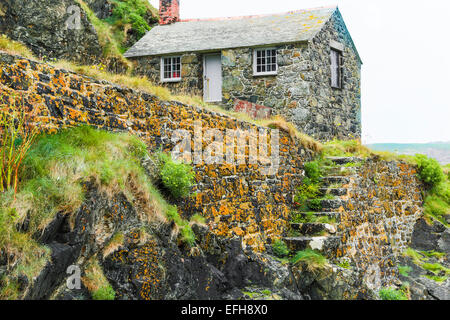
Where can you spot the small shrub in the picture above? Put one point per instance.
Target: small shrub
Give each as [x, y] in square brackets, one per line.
[176, 177]
[392, 294]
[305, 192]
[430, 171]
[280, 248]
[312, 171]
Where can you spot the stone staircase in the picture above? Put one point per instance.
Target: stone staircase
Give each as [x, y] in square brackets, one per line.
[322, 232]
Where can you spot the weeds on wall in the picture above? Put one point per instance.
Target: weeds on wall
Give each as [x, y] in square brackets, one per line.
[177, 177]
[17, 136]
[280, 249]
[51, 182]
[307, 193]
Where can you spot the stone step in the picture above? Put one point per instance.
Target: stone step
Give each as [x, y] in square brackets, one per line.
[333, 191]
[322, 214]
[340, 171]
[344, 160]
[331, 204]
[323, 244]
[335, 179]
[309, 229]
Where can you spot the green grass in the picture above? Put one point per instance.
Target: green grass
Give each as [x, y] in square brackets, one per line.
[313, 259]
[108, 41]
[354, 148]
[416, 256]
[392, 294]
[433, 254]
[131, 16]
[14, 47]
[421, 258]
[51, 182]
[404, 270]
[437, 201]
[96, 282]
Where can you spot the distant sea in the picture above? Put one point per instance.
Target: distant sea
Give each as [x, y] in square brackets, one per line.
[437, 150]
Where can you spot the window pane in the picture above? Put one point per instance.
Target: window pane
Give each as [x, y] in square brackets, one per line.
[266, 60]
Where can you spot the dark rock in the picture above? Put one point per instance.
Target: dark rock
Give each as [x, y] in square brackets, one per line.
[426, 237]
[41, 26]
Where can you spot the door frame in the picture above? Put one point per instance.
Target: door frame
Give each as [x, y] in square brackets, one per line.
[204, 75]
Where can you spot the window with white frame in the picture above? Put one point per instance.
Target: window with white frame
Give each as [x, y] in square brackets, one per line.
[265, 61]
[336, 68]
[170, 69]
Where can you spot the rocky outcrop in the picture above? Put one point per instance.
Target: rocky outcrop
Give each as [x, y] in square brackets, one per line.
[150, 264]
[51, 29]
[421, 277]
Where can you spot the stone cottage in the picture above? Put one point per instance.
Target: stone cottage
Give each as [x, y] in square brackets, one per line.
[302, 65]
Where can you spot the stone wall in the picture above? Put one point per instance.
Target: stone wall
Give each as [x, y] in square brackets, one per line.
[377, 222]
[301, 91]
[238, 200]
[191, 82]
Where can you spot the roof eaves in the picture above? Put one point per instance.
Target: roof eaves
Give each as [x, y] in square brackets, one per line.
[217, 49]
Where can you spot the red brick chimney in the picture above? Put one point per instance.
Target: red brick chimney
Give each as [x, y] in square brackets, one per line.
[169, 11]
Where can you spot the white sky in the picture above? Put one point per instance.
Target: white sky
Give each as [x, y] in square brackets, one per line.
[405, 47]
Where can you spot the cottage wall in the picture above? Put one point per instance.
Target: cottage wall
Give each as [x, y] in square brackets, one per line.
[301, 91]
[191, 73]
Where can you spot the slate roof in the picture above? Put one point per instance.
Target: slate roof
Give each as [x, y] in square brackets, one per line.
[237, 32]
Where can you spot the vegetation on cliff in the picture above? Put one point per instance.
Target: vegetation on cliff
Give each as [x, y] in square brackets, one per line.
[437, 201]
[14, 47]
[127, 23]
[52, 181]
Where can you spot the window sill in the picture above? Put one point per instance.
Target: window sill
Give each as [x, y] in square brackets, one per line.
[262, 74]
[171, 80]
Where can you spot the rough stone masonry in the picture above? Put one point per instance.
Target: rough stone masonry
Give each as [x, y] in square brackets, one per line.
[238, 201]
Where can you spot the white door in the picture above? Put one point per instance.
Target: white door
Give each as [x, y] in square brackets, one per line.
[212, 86]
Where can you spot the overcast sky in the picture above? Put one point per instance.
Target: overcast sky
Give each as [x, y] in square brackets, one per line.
[405, 47]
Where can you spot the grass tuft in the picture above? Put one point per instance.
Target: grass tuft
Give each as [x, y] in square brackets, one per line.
[14, 47]
[96, 282]
[313, 259]
[392, 294]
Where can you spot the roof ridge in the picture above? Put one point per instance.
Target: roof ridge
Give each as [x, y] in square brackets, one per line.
[259, 15]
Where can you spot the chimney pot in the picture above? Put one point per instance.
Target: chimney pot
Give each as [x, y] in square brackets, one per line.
[169, 11]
